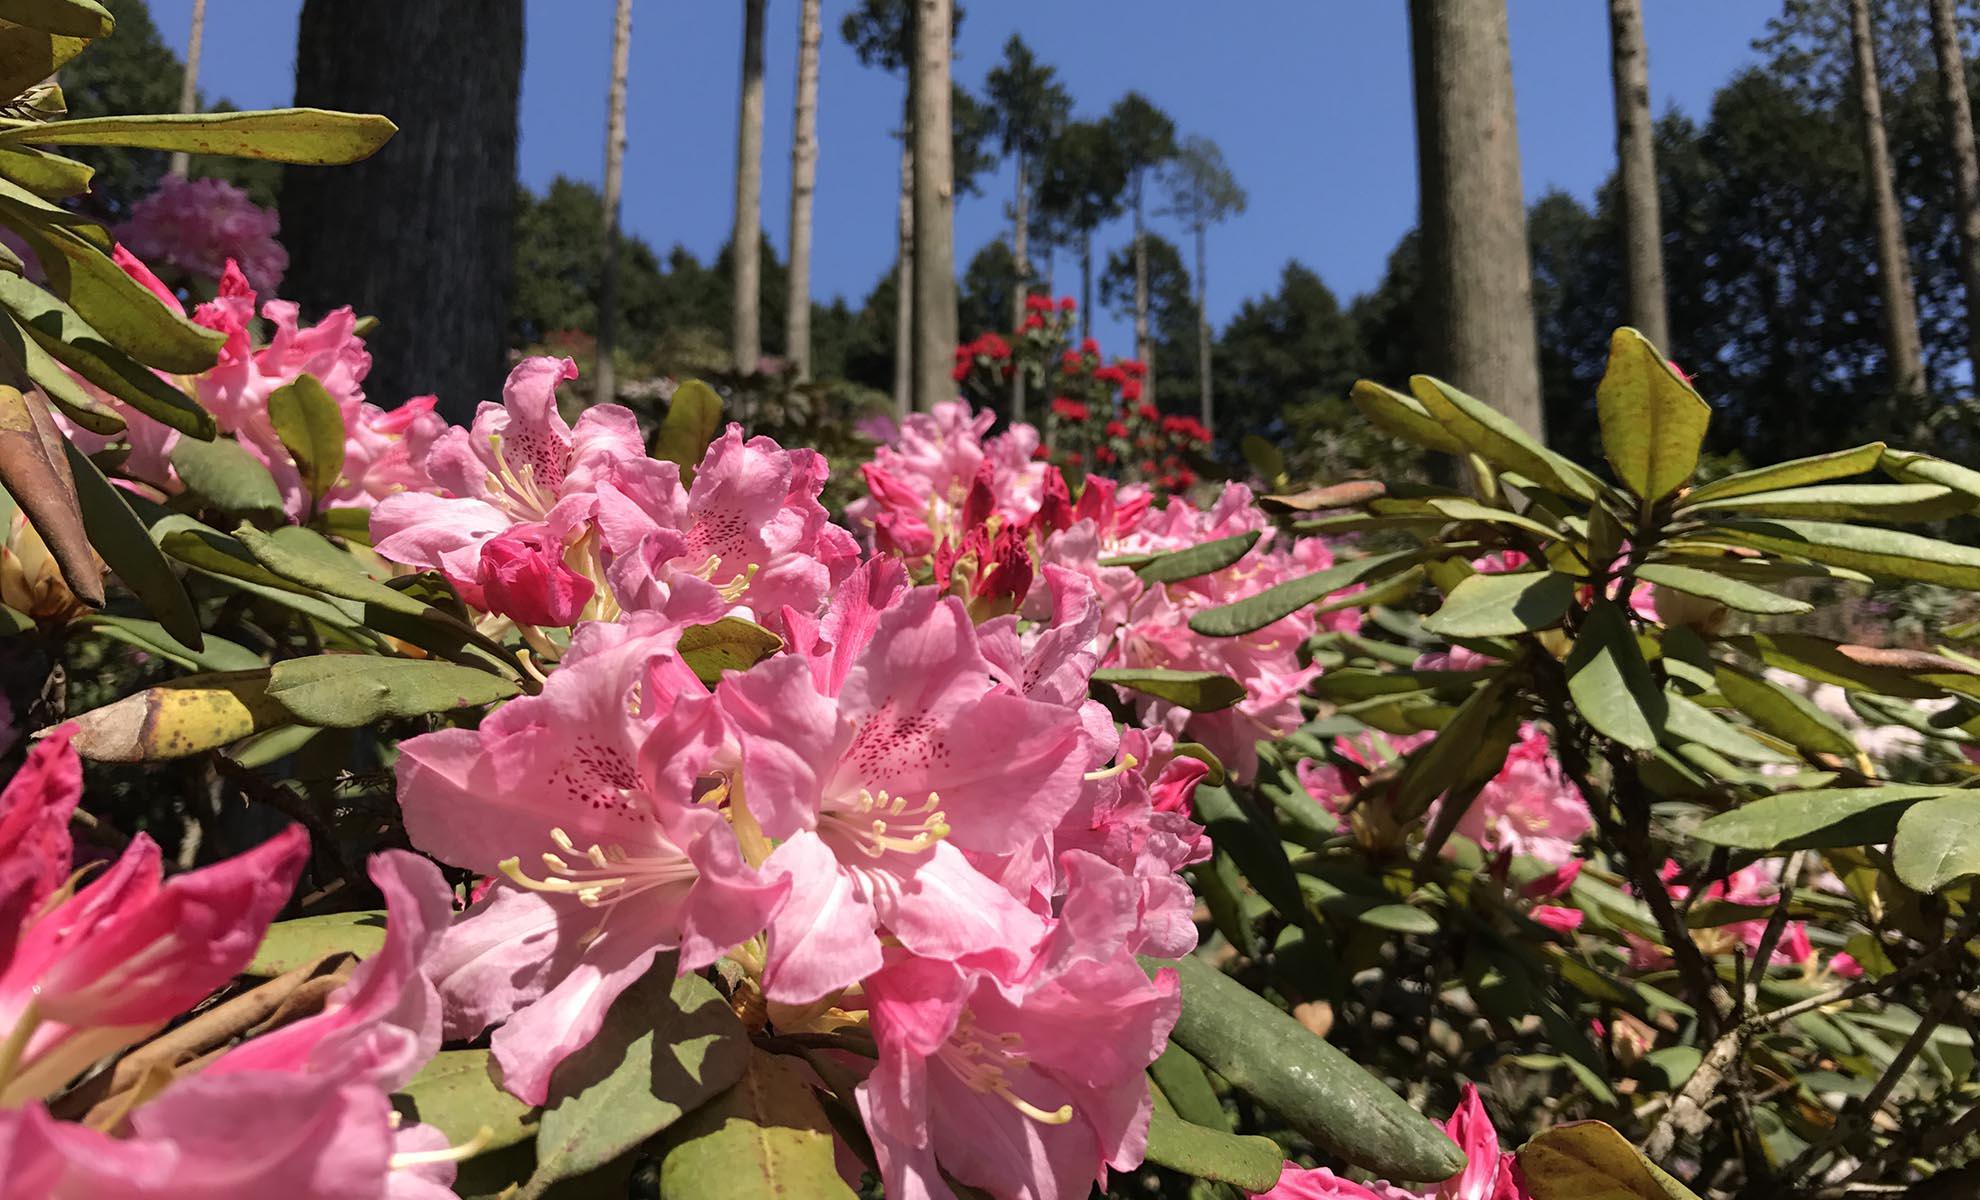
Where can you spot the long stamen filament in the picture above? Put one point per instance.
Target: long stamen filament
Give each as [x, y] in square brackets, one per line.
[460, 1153]
[1128, 763]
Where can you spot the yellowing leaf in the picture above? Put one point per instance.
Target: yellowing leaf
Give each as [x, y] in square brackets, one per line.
[182, 717]
[1587, 1160]
[1652, 420]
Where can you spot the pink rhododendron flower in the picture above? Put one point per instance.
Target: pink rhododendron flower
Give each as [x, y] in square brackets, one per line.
[1488, 1174]
[919, 482]
[199, 226]
[1334, 784]
[1529, 808]
[522, 575]
[383, 450]
[1755, 885]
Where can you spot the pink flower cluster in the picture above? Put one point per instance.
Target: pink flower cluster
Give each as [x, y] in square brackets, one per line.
[199, 227]
[302, 1111]
[1489, 1172]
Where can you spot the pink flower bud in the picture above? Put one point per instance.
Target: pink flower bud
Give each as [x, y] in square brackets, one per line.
[523, 576]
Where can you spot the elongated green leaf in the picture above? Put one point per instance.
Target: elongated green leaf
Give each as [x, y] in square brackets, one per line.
[305, 136]
[1251, 1163]
[61, 388]
[220, 557]
[1198, 560]
[460, 1093]
[127, 549]
[730, 644]
[1198, 691]
[122, 309]
[307, 560]
[764, 1137]
[310, 424]
[1502, 605]
[227, 475]
[1188, 1089]
[1787, 715]
[1845, 502]
[271, 746]
[694, 418]
[178, 718]
[1938, 842]
[1470, 748]
[1912, 467]
[1403, 416]
[50, 176]
[1690, 722]
[1838, 464]
[1485, 431]
[74, 342]
[1280, 600]
[291, 944]
[1914, 674]
[1696, 581]
[70, 18]
[1887, 553]
[216, 654]
[1815, 820]
[344, 691]
[1611, 684]
[1587, 1160]
[28, 56]
[1652, 421]
[667, 1045]
[1265, 1053]
[1461, 509]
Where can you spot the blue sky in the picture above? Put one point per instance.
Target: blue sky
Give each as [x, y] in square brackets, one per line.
[1309, 100]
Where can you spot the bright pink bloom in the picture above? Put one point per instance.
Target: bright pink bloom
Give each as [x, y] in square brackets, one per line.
[199, 225]
[1529, 807]
[919, 482]
[522, 576]
[35, 847]
[1488, 1174]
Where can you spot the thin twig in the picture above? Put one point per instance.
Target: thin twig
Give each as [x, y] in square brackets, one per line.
[1858, 1119]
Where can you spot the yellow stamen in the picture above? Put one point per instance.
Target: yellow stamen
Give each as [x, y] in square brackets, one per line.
[1128, 763]
[460, 1153]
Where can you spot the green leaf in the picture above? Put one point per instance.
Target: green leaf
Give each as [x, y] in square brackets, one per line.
[1187, 1088]
[125, 311]
[50, 176]
[1490, 434]
[730, 644]
[1251, 1163]
[1403, 416]
[271, 746]
[344, 691]
[1197, 691]
[1938, 842]
[75, 343]
[764, 1137]
[1257, 611]
[223, 472]
[1320, 1092]
[1690, 722]
[70, 18]
[291, 944]
[459, 1092]
[1787, 715]
[28, 56]
[694, 418]
[1845, 502]
[667, 1045]
[1470, 748]
[178, 718]
[1610, 683]
[126, 546]
[1485, 605]
[1587, 1160]
[61, 388]
[1819, 819]
[1458, 508]
[310, 424]
[1838, 464]
[1888, 553]
[1913, 674]
[1192, 561]
[306, 559]
[1264, 457]
[1653, 422]
[1912, 467]
[304, 136]
[1745, 597]
[1399, 918]
[218, 556]
[216, 654]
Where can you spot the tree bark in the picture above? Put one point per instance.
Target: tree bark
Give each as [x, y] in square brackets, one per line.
[746, 269]
[605, 386]
[1203, 329]
[189, 83]
[422, 234]
[1966, 163]
[1636, 158]
[1478, 292]
[904, 284]
[934, 225]
[1144, 349]
[1021, 269]
[1085, 284]
[804, 177]
[1901, 342]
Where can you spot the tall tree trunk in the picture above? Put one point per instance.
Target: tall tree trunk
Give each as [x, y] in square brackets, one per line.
[1085, 284]
[422, 234]
[746, 270]
[1144, 349]
[804, 177]
[1478, 280]
[1636, 156]
[1021, 270]
[904, 284]
[189, 83]
[1901, 342]
[1203, 329]
[605, 388]
[934, 224]
[1966, 163]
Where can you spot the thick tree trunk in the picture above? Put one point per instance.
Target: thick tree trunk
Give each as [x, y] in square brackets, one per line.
[1085, 284]
[1144, 348]
[1203, 329]
[189, 83]
[1901, 343]
[1478, 280]
[1636, 158]
[422, 234]
[746, 270]
[1021, 267]
[605, 386]
[1966, 163]
[934, 225]
[904, 284]
[804, 177]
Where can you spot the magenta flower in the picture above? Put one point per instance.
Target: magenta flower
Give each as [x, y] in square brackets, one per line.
[522, 575]
[35, 848]
[199, 226]
[1488, 1174]
[874, 788]
[1529, 807]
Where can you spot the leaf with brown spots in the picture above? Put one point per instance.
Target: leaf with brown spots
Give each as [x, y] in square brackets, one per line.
[185, 716]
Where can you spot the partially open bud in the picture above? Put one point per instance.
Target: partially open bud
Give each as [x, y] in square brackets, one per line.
[30, 580]
[524, 577]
